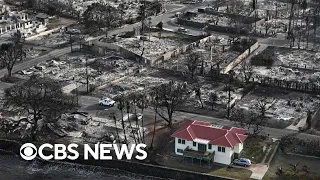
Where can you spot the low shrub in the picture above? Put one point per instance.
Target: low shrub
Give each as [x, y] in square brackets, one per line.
[262, 60]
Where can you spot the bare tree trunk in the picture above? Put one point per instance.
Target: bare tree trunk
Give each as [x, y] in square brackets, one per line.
[9, 71]
[134, 137]
[308, 35]
[115, 123]
[291, 15]
[154, 127]
[142, 124]
[34, 126]
[124, 130]
[137, 123]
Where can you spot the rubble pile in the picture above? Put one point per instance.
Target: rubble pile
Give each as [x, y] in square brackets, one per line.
[32, 53]
[51, 40]
[94, 129]
[222, 21]
[73, 69]
[152, 49]
[222, 96]
[283, 106]
[130, 7]
[219, 56]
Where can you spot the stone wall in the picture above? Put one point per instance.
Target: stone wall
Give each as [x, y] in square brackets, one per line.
[212, 27]
[240, 58]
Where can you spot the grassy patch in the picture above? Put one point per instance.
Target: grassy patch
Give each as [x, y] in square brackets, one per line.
[253, 149]
[273, 146]
[236, 173]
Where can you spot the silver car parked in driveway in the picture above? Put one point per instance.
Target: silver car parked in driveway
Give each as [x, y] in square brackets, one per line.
[242, 162]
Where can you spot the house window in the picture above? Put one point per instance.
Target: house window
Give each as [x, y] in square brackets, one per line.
[179, 150]
[221, 149]
[179, 141]
[210, 146]
[194, 144]
[202, 147]
[183, 141]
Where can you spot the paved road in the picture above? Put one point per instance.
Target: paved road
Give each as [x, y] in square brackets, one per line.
[154, 20]
[35, 61]
[90, 104]
[166, 17]
[58, 52]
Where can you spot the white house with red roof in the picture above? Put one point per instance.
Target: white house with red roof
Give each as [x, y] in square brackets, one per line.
[204, 141]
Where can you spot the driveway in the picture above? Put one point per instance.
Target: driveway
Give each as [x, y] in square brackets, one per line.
[258, 171]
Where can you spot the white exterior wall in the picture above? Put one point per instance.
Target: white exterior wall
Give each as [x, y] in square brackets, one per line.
[219, 157]
[223, 157]
[238, 148]
[181, 146]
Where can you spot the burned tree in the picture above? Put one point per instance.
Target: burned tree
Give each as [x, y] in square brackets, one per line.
[142, 103]
[160, 27]
[247, 71]
[250, 121]
[120, 99]
[155, 102]
[262, 105]
[309, 119]
[171, 96]
[213, 97]
[40, 99]
[98, 16]
[197, 90]
[10, 54]
[128, 108]
[193, 61]
[267, 26]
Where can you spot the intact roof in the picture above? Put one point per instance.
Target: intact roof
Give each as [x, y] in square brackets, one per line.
[225, 136]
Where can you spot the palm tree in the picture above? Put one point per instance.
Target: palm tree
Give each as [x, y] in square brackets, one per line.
[128, 107]
[134, 100]
[120, 106]
[115, 123]
[142, 103]
[307, 27]
[121, 7]
[292, 2]
[231, 74]
[156, 99]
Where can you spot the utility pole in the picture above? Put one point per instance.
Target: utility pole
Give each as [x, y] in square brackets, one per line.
[77, 93]
[70, 41]
[149, 27]
[87, 75]
[231, 73]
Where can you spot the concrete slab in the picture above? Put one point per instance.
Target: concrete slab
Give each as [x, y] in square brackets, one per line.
[258, 171]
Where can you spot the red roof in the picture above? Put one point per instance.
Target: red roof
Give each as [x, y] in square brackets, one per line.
[222, 136]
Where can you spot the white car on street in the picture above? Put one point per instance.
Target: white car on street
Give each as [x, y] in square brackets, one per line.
[106, 102]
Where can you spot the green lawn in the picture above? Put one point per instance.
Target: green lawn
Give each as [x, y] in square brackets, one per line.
[253, 149]
[236, 173]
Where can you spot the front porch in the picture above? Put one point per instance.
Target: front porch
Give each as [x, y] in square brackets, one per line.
[200, 155]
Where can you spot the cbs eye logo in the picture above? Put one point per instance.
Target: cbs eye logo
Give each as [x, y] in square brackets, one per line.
[28, 151]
